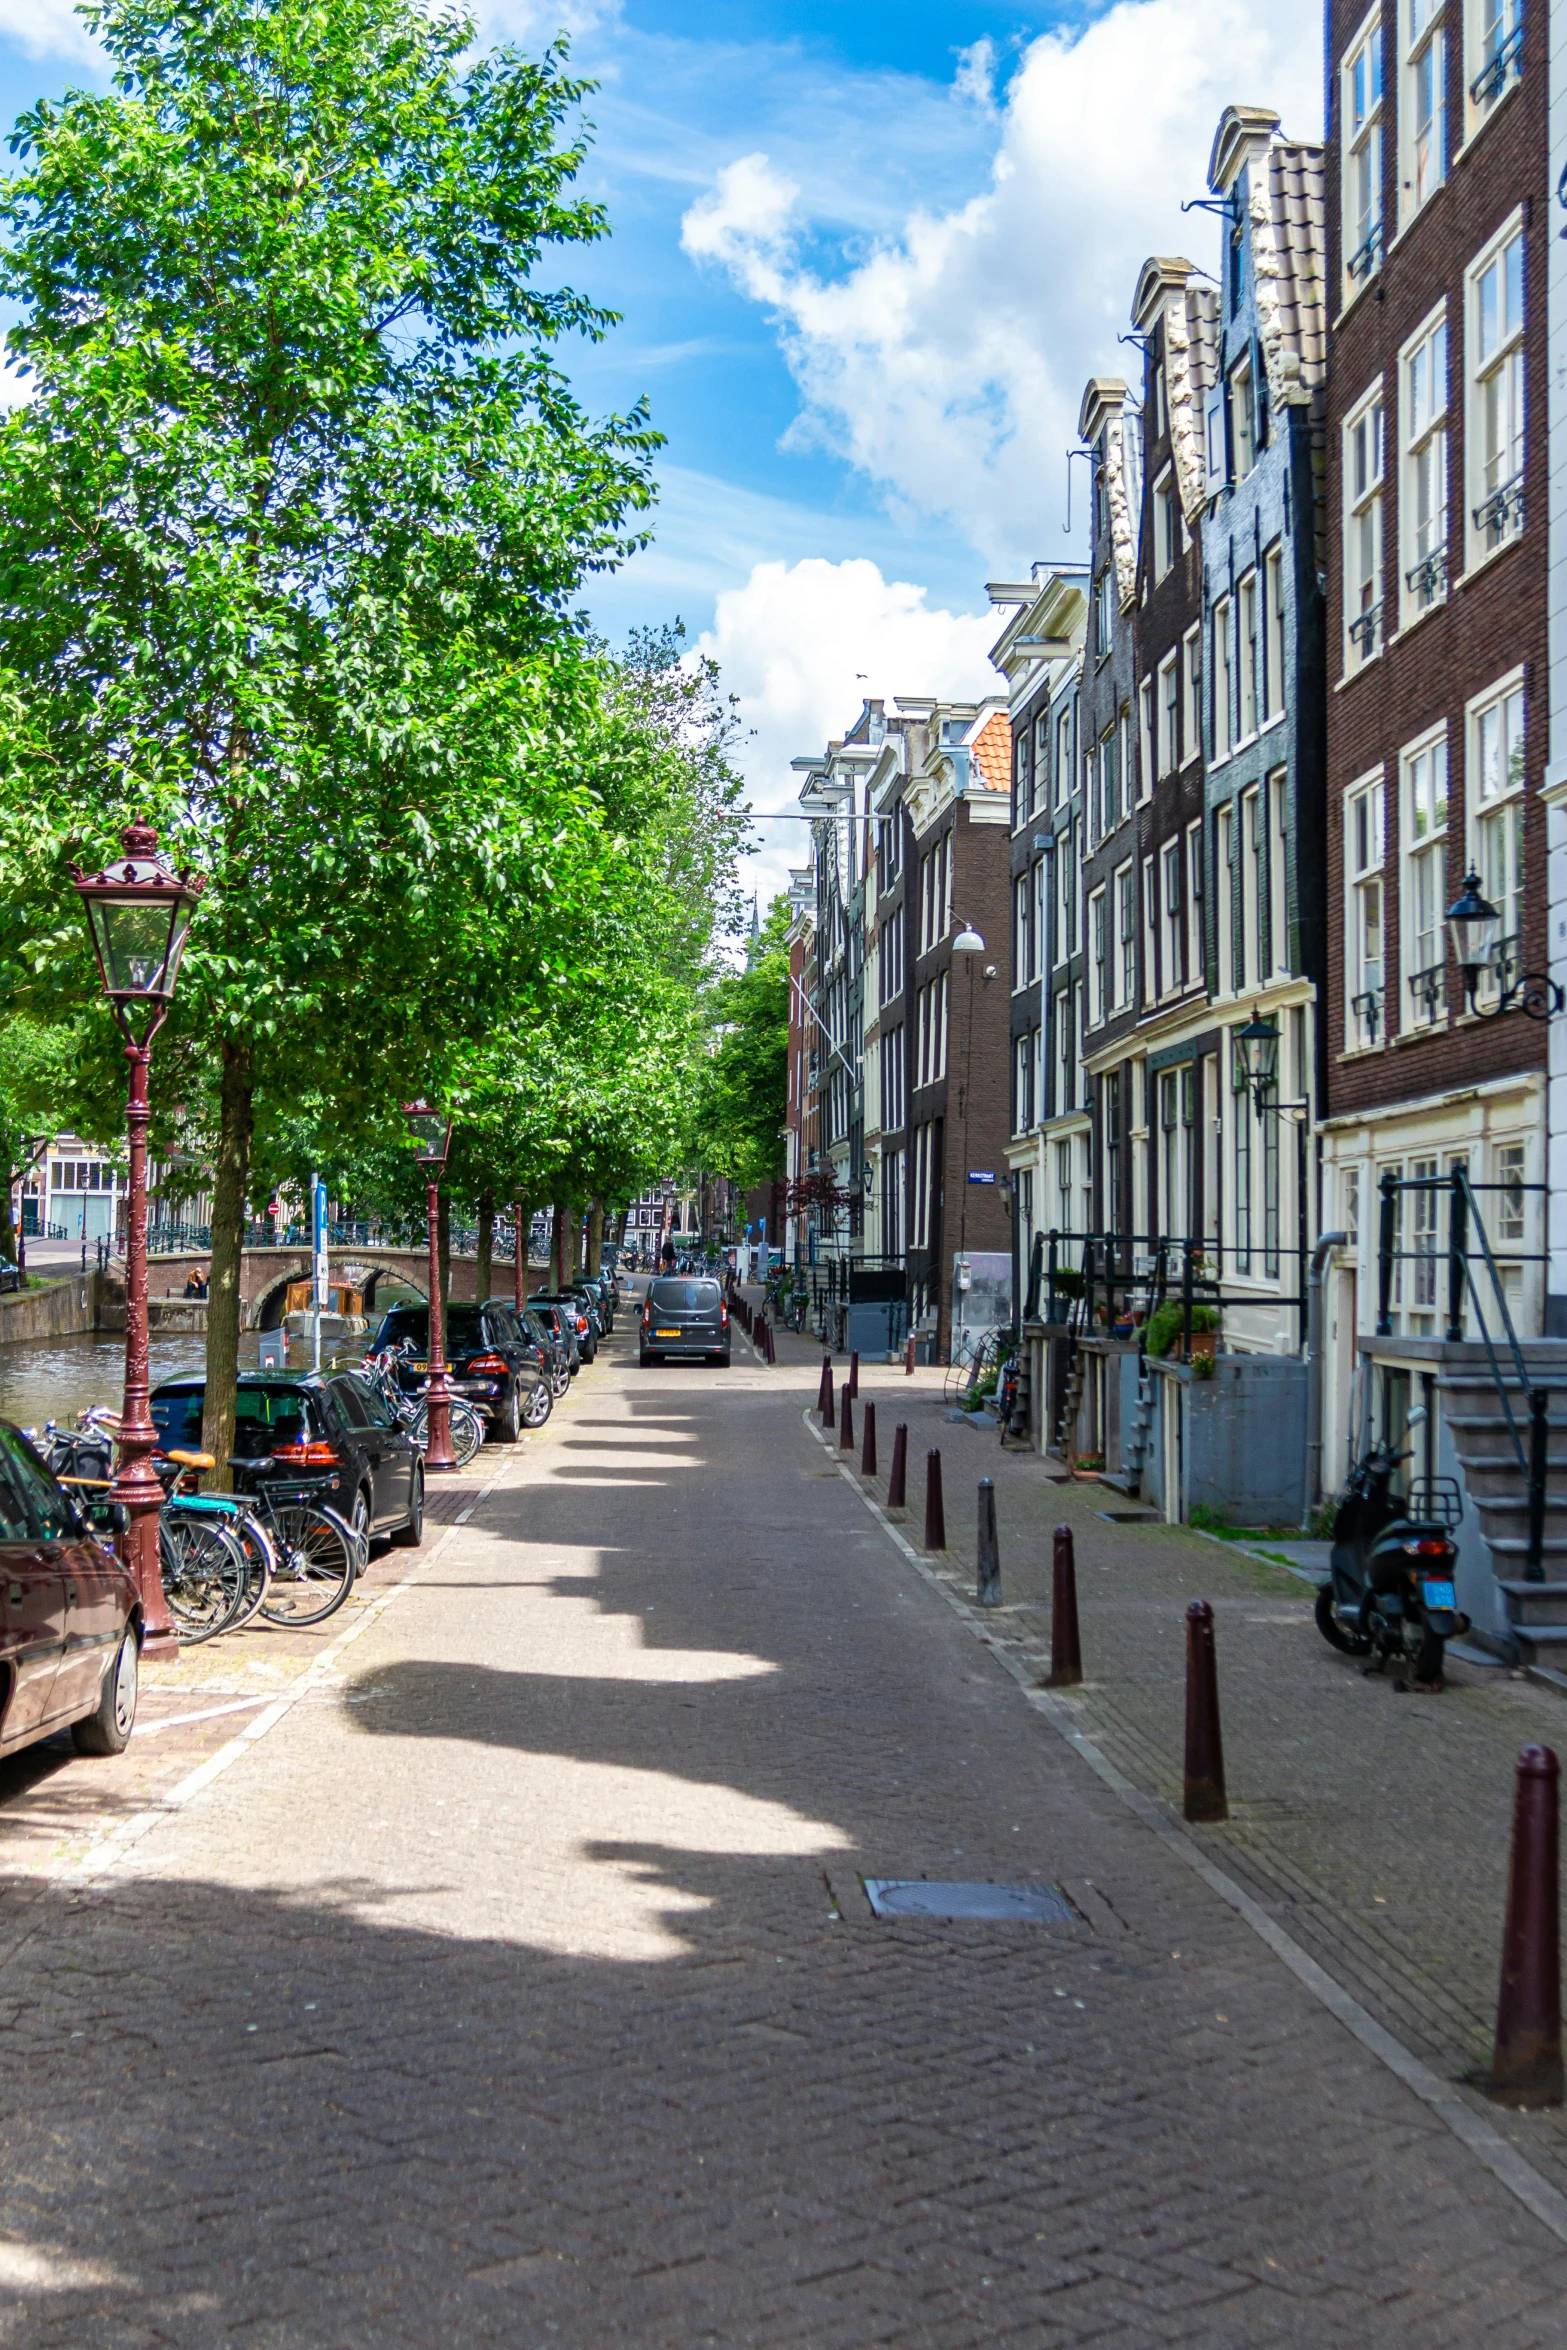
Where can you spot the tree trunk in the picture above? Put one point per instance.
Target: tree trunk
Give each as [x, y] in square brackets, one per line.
[231, 1180]
[560, 1247]
[484, 1248]
[7, 1225]
[443, 1242]
[595, 1235]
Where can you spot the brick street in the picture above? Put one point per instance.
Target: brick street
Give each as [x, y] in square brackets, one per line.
[518, 1984]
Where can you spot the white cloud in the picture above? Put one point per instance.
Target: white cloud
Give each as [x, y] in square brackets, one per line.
[802, 645]
[47, 28]
[947, 361]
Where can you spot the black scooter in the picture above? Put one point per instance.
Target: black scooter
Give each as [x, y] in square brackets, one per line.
[1391, 1593]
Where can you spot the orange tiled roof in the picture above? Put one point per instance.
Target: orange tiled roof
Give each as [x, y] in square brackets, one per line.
[992, 752]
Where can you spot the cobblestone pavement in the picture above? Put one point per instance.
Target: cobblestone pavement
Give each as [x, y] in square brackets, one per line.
[518, 1985]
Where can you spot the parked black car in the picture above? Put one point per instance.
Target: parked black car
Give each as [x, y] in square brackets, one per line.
[10, 1275]
[327, 1424]
[562, 1327]
[601, 1289]
[489, 1362]
[575, 1311]
[684, 1315]
[549, 1339]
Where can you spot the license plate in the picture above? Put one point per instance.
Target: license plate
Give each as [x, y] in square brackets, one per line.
[666, 1334]
[1440, 1595]
[418, 1366]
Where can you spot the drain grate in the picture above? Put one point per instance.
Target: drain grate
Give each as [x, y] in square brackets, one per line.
[924, 1897]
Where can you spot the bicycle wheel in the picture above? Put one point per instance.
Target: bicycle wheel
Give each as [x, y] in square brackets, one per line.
[467, 1428]
[260, 1559]
[204, 1574]
[315, 1556]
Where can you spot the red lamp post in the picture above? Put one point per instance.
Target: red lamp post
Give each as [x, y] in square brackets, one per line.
[432, 1139]
[139, 913]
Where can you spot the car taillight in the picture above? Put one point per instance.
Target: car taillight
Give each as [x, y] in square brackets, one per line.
[582, 1325]
[723, 1316]
[306, 1455]
[496, 1363]
[647, 1311]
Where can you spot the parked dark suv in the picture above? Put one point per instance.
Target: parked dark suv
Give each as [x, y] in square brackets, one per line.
[684, 1315]
[576, 1309]
[489, 1363]
[312, 1424]
[562, 1327]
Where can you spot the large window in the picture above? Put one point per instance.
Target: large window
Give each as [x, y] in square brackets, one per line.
[1423, 114]
[1126, 937]
[1226, 918]
[1243, 417]
[1495, 58]
[1170, 972]
[1278, 846]
[1363, 531]
[1168, 713]
[1223, 683]
[894, 1099]
[1251, 656]
[1104, 610]
[1496, 804]
[1364, 1019]
[1165, 541]
[1064, 756]
[1423, 504]
[1251, 889]
[1273, 612]
[1022, 1083]
[1362, 119]
[1150, 933]
[1422, 891]
[1191, 694]
[1494, 344]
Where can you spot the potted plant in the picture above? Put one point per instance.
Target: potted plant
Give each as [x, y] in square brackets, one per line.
[1087, 1466]
[1166, 1330]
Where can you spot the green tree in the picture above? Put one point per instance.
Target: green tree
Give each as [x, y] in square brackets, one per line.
[742, 1092]
[289, 523]
[37, 1060]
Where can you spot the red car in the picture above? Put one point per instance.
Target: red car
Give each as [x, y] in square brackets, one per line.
[70, 1616]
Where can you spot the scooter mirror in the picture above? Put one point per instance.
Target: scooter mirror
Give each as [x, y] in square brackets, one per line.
[1417, 1418]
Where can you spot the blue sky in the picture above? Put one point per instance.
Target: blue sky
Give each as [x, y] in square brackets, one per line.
[866, 257]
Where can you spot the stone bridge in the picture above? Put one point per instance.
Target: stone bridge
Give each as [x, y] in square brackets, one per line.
[265, 1274]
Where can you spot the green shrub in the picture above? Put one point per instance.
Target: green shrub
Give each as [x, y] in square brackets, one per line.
[1167, 1322]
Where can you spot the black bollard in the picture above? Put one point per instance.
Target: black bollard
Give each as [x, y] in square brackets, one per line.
[989, 1554]
[829, 1416]
[935, 1514]
[854, 1375]
[898, 1474]
[1204, 1795]
[1526, 2068]
[846, 1421]
[1066, 1649]
[868, 1443]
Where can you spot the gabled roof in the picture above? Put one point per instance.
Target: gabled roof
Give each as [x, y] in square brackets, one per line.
[991, 750]
[1285, 215]
[1167, 289]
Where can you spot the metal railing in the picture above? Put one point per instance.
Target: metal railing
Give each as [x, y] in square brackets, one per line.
[1468, 1243]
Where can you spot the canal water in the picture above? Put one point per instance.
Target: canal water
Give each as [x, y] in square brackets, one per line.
[55, 1378]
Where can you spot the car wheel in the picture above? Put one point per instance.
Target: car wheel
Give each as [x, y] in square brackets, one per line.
[359, 1523]
[560, 1380]
[538, 1407]
[107, 1729]
[506, 1426]
[411, 1534]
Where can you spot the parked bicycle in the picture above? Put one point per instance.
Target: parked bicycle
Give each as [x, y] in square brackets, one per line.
[467, 1425]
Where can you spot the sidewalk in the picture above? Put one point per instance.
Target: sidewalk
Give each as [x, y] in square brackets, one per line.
[1373, 1826]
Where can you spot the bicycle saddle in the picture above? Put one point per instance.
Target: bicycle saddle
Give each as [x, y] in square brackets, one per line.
[192, 1460]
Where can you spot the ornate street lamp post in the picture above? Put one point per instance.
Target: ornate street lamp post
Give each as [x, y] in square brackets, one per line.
[1474, 924]
[432, 1139]
[139, 913]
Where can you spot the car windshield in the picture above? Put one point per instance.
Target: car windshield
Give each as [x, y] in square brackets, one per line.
[464, 1328]
[265, 1417]
[32, 1506]
[685, 1297]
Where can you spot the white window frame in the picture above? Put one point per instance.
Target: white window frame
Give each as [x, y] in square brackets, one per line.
[1422, 150]
[1365, 471]
[1423, 393]
[1248, 624]
[1171, 916]
[1494, 798]
[1493, 491]
[1360, 84]
[1243, 416]
[1166, 714]
[1225, 920]
[1252, 819]
[1147, 722]
[1151, 980]
[1195, 880]
[1098, 957]
[1191, 693]
[1273, 632]
[1123, 959]
[1165, 507]
[1277, 788]
[1223, 683]
[1365, 912]
[1424, 787]
[1493, 58]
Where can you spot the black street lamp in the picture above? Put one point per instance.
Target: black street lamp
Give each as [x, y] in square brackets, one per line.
[1475, 927]
[139, 913]
[431, 1130]
[1257, 1073]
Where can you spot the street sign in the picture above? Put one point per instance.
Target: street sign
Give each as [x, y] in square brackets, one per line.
[318, 1238]
[975, 1175]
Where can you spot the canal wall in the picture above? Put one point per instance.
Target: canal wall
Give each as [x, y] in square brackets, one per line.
[61, 1310]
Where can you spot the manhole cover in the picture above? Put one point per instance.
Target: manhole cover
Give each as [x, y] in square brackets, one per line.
[923, 1897]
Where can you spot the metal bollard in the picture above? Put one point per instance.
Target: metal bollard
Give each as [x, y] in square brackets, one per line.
[824, 1385]
[898, 1474]
[908, 1356]
[846, 1420]
[868, 1443]
[1066, 1648]
[989, 1553]
[1526, 2067]
[1204, 1798]
[854, 1375]
[828, 1414]
[935, 1514]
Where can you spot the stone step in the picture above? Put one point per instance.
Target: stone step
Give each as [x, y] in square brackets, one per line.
[1539, 1605]
[1504, 1504]
[1549, 1636]
[1516, 1546]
